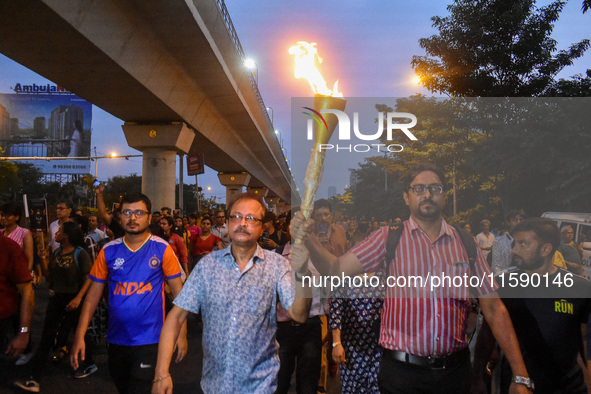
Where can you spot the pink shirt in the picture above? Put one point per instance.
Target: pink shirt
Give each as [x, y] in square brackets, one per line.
[17, 235]
[416, 319]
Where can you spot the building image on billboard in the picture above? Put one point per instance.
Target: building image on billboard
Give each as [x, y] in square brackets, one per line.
[46, 125]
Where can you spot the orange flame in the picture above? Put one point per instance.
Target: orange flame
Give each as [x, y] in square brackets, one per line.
[305, 54]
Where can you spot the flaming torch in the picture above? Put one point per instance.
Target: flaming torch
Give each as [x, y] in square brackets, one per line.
[305, 55]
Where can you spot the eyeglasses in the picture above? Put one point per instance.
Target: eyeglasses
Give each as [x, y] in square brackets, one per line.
[421, 189]
[138, 212]
[250, 220]
[220, 217]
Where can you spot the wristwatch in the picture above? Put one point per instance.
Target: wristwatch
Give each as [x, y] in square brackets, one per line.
[335, 344]
[24, 330]
[527, 382]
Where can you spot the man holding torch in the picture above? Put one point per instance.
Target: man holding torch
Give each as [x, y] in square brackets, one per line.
[423, 331]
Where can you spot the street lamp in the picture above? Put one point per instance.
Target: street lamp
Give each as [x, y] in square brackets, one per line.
[250, 64]
[279, 138]
[269, 108]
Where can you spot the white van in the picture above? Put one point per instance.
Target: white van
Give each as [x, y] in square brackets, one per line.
[581, 223]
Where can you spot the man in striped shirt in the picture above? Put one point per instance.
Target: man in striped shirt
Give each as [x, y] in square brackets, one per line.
[423, 329]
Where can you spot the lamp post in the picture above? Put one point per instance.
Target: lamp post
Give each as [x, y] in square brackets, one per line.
[250, 64]
[270, 108]
[279, 138]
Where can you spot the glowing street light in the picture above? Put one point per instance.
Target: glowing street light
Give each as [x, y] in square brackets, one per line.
[269, 108]
[113, 155]
[279, 138]
[251, 65]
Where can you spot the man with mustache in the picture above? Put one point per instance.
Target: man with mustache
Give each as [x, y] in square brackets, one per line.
[237, 289]
[134, 268]
[548, 305]
[423, 328]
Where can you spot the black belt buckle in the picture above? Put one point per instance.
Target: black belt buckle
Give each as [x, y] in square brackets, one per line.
[436, 362]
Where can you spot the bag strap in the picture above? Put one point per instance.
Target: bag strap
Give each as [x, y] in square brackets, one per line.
[394, 234]
[76, 253]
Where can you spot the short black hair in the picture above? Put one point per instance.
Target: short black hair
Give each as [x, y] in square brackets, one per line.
[12, 208]
[513, 213]
[168, 219]
[545, 229]
[322, 203]
[411, 174]
[68, 203]
[74, 233]
[137, 197]
[269, 217]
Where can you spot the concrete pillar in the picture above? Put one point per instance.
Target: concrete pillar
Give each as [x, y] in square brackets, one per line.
[160, 144]
[280, 206]
[234, 182]
[259, 191]
[271, 203]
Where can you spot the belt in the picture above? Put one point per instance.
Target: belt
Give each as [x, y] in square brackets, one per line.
[296, 324]
[432, 362]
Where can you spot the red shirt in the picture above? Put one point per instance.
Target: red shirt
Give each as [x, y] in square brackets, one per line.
[416, 319]
[201, 246]
[14, 269]
[178, 246]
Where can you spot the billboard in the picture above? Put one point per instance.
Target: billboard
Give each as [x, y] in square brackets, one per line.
[46, 125]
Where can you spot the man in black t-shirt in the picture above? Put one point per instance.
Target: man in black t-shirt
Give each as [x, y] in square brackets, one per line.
[547, 306]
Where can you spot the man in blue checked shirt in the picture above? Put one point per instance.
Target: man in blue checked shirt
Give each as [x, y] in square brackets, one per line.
[236, 289]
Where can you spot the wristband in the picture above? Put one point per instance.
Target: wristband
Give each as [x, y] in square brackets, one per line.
[527, 382]
[24, 330]
[161, 378]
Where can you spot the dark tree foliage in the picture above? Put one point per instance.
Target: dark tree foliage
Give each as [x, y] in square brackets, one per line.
[373, 196]
[494, 48]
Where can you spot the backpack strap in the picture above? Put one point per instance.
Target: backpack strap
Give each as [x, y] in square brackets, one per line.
[471, 250]
[394, 235]
[76, 253]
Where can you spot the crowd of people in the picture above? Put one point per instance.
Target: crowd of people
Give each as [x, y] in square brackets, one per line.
[243, 271]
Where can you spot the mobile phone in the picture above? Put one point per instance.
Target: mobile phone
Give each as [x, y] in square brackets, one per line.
[96, 183]
[322, 229]
[265, 235]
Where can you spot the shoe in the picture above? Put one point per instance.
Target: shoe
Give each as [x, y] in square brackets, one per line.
[82, 373]
[28, 384]
[24, 358]
[59, 354]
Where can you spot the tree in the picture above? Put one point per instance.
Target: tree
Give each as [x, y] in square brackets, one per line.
[10, 183]
[118, 186]
[371, 197]
[576, 86]
[446, 136]
[494, 48]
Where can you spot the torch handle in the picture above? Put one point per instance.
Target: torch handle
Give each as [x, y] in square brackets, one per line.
[312, 180]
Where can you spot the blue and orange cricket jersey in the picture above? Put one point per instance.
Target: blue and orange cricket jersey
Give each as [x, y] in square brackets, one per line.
[135, 280]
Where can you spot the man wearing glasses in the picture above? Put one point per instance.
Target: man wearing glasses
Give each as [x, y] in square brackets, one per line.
[220, 229]
[63, 210]
[423, 328]
[237, 289]
[134, 267]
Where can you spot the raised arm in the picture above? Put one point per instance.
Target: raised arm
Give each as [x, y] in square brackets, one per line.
[100, 204]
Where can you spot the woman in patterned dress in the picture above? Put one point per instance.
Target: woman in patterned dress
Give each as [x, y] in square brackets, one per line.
[355, 321]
